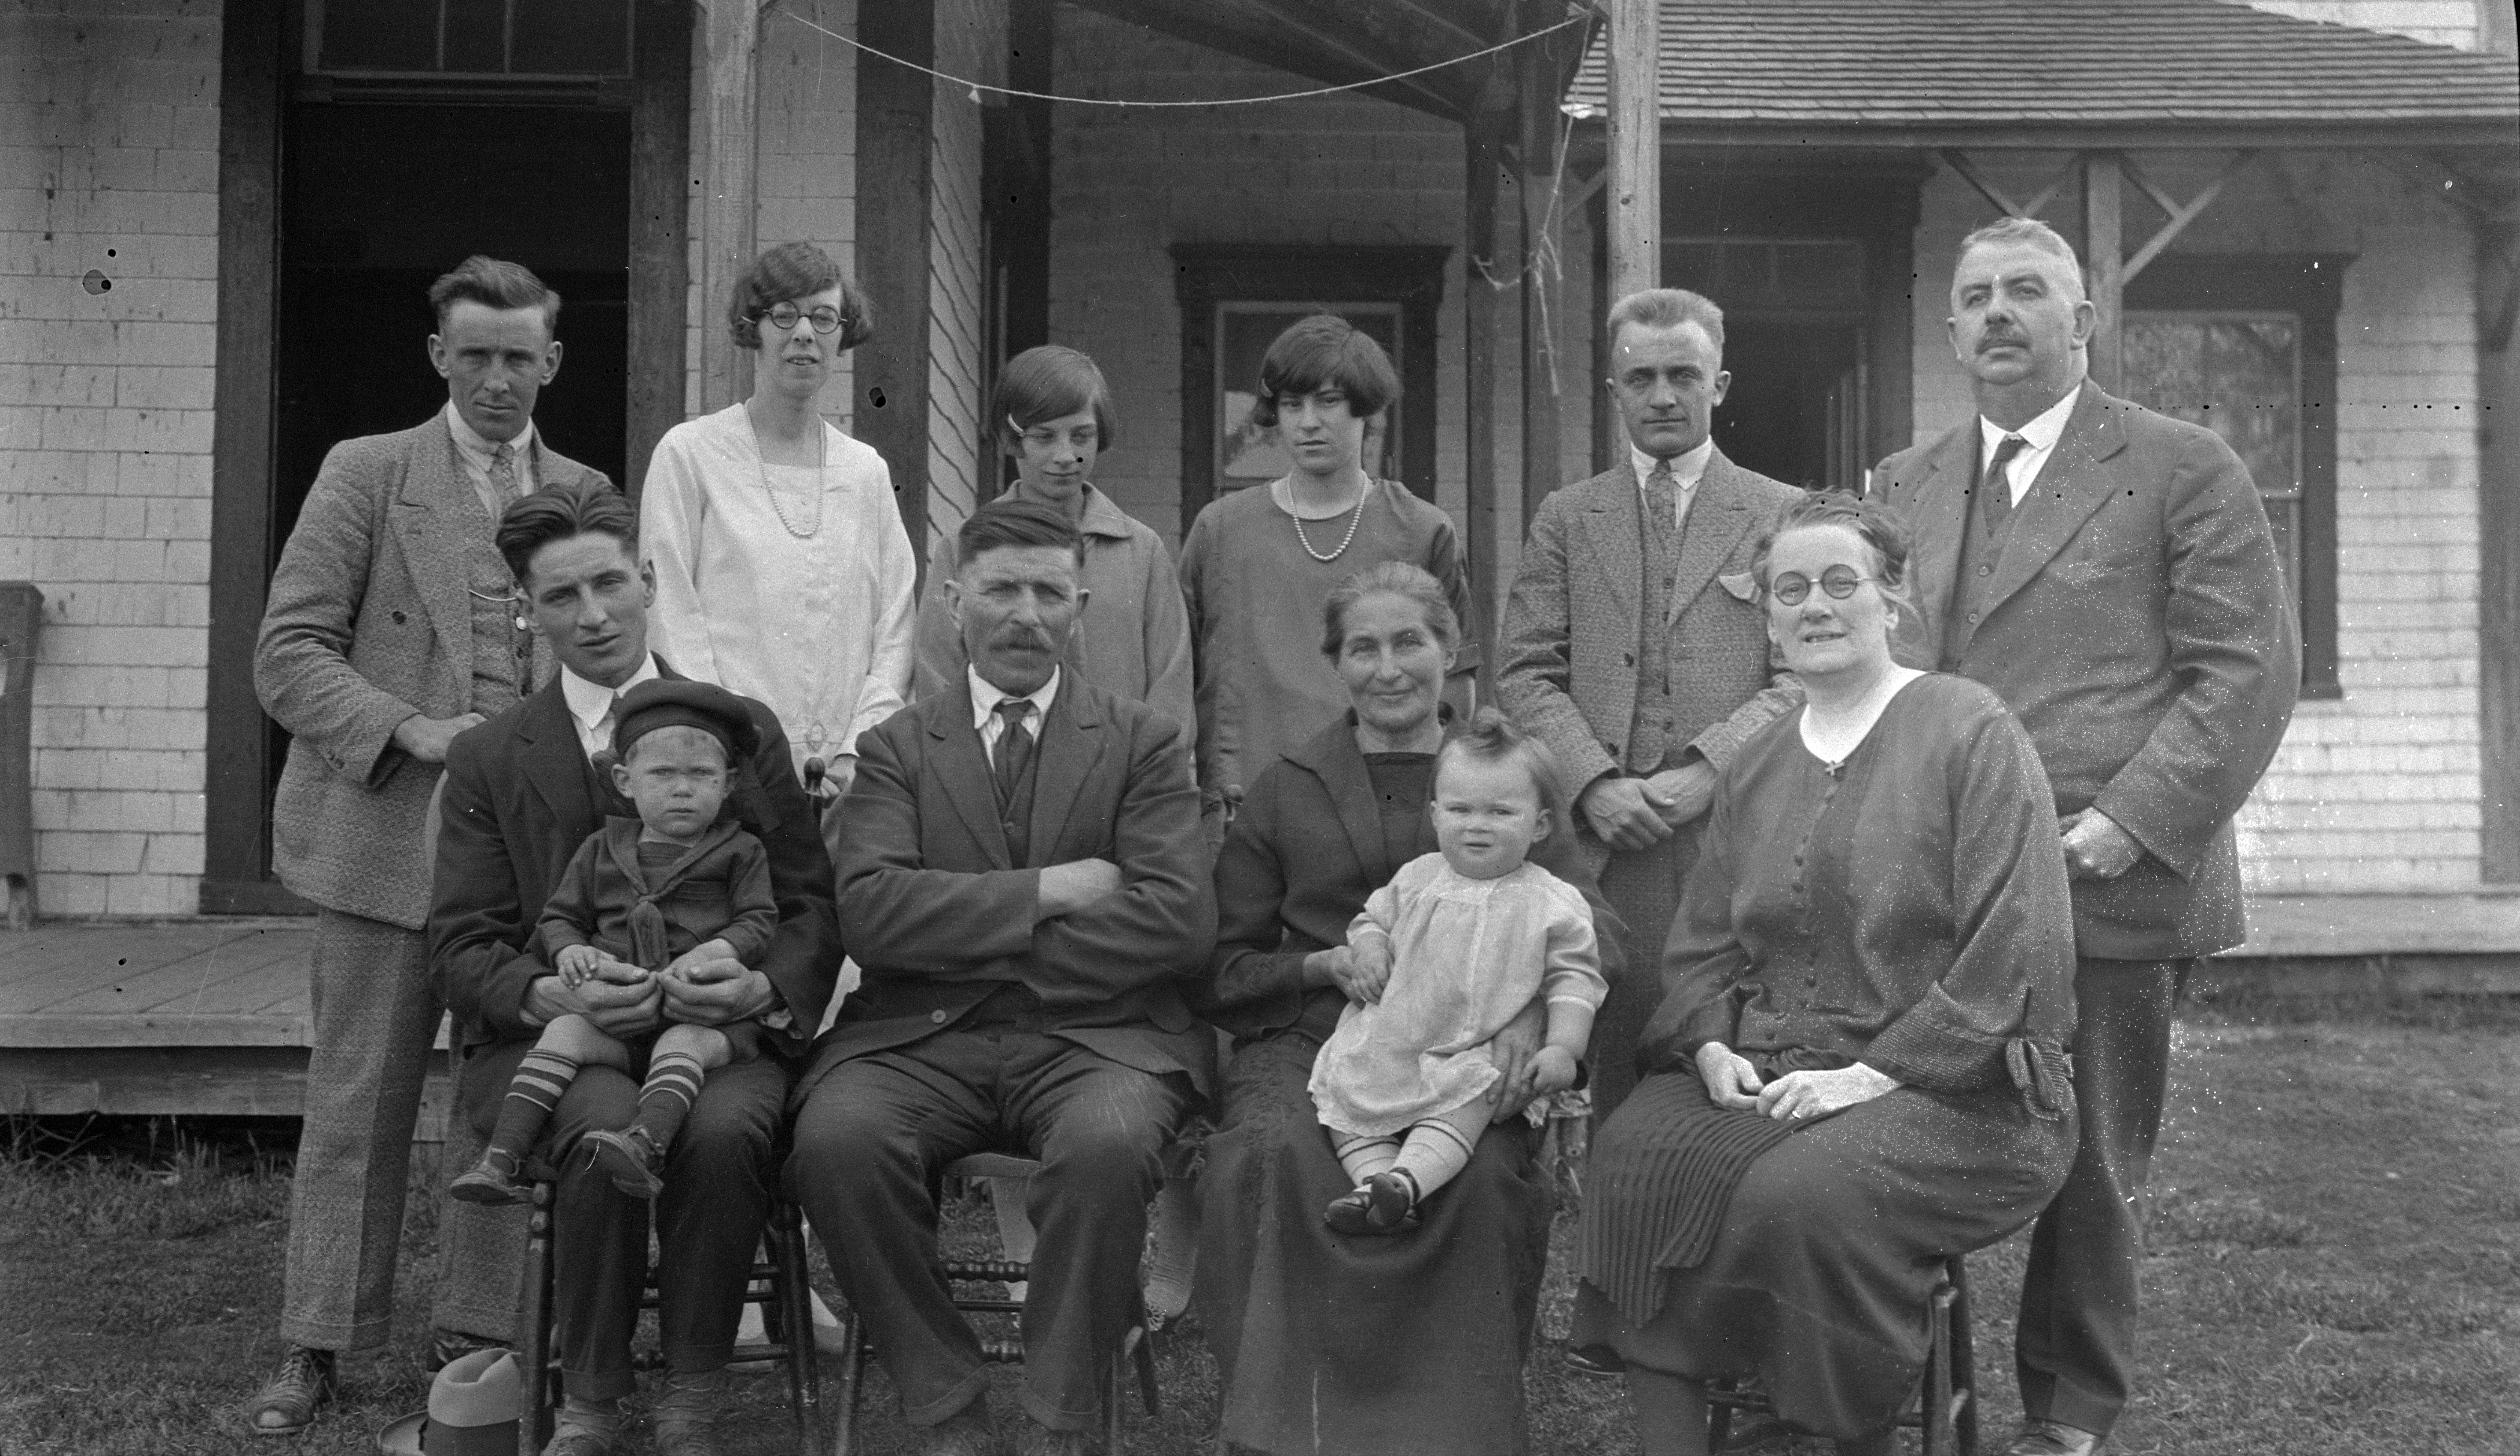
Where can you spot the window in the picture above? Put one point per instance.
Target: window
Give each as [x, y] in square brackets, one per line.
[585, 39]
[2246, 346]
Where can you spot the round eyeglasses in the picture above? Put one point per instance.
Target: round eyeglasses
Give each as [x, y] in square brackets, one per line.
[784, 316]
[1839, 582]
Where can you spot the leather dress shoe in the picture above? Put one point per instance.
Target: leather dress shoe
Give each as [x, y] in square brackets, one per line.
[306, 1381]
[583, 1440]
[685, 1414]
[2044, 1437]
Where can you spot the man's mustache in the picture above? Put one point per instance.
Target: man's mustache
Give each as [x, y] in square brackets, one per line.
[2001, 337]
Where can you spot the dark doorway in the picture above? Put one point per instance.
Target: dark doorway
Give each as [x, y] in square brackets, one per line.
[380, 200]
[1794, 411]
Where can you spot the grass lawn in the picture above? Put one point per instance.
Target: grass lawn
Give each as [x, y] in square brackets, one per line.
[2338, 1218]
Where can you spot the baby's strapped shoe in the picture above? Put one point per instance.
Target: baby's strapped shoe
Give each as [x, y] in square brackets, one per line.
[498, 1178]
[631, 1159]
[1384, 1204]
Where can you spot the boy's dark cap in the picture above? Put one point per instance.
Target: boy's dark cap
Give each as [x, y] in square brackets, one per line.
[680, 702]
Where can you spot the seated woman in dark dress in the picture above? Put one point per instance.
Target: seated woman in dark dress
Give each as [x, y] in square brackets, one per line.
[1330, 1344]
[1857, 1067]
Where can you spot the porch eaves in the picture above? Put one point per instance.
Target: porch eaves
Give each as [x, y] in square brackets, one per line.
[2055, 74]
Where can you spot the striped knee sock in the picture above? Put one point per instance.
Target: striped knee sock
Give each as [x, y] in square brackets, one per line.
[1363, 1156]
[673, 1084]
[1434, 1153]
[541, 1079]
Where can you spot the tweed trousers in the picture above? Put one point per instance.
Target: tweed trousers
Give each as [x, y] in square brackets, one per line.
[375, 1012]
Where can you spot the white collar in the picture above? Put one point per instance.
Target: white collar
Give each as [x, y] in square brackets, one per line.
[478, 448]
[588, 701]
[2041, 432]
[1687, 468]
[985, 698]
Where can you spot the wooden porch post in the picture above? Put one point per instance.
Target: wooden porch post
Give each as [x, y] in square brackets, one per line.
[1543, 300]
[732, 33]
[2104, 261]
[896, 205]
[660, 152]
[2498, 470]
[1494, 266]
[1636, 147]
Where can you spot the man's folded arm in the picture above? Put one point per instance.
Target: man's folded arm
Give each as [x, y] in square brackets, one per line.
[1160, 925]
[924, 919]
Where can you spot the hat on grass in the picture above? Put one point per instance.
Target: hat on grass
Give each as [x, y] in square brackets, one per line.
[473, 1406]
[680, 702]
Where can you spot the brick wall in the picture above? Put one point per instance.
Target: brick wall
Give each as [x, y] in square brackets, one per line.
[108, 173]
[1127, 185]
[971, 42]
[2378, 790]
[2441, 22]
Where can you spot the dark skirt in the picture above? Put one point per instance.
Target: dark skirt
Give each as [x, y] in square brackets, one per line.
[1818, 1279]
[1373, 1346]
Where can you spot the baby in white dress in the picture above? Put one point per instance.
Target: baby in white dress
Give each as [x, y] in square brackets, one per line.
[1440, 960]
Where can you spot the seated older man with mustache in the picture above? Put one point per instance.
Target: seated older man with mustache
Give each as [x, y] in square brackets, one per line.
[1024, 885]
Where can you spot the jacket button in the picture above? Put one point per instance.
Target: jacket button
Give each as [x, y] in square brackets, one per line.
[400, 618]
[937, 1017]
[1986, 571]
[1972, 616]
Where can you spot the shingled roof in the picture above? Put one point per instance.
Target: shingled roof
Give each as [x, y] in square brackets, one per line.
[1921, 68]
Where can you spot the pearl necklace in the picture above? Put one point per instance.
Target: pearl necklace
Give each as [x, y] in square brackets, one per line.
[821, 462]
[1355, 518]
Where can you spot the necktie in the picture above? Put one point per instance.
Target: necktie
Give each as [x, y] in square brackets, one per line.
[1998, 484]
[1662, 500]
[604, 727]
[1015, 748]
[506, 480]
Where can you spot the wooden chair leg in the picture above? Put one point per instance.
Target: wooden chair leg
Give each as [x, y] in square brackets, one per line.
[1937, 1395]
[844, 1409]
[1964, 1362]
[796, 1316]
[533, 1328]
[1142, 1353]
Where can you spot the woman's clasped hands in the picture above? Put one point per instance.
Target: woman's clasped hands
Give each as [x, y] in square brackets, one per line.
[1797, 1096]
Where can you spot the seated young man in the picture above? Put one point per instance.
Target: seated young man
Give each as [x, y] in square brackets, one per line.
[522, 793]
[1024, 883]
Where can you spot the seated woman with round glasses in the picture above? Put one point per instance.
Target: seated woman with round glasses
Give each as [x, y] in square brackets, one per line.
[782, 571]
[1859, 1065]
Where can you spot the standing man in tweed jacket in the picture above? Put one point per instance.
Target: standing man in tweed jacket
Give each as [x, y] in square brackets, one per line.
[1634, 646]
[392, 626]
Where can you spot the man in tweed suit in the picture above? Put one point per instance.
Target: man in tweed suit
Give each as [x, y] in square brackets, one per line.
[2122, 595]
[393, 627]
[1634, 646]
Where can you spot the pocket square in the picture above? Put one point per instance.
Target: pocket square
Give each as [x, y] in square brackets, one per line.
[1741, 585]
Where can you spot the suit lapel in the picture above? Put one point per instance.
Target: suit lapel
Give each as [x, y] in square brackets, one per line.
[961, 764]
[2072, 485]
[1336, 761]
[1938, 510]
[1718, 518]
[435, 513]
[554, 763]
[1073, 737]
[1609, 516]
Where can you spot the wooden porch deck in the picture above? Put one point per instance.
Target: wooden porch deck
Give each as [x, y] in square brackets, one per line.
[212, 1016]
[196, 1017]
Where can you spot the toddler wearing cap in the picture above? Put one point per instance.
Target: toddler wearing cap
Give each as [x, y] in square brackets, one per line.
[646, 897]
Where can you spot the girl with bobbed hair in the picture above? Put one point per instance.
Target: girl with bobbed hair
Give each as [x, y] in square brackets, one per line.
[1258, 561]
[1051, 411]
[783, 570]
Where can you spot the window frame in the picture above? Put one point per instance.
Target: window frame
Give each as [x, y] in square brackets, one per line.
[2309, 286]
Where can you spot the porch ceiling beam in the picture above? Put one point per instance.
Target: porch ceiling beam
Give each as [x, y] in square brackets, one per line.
[1958, 162]
[1252, 33]
[2180, 213]
[1335, 28]
[1458, 20]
